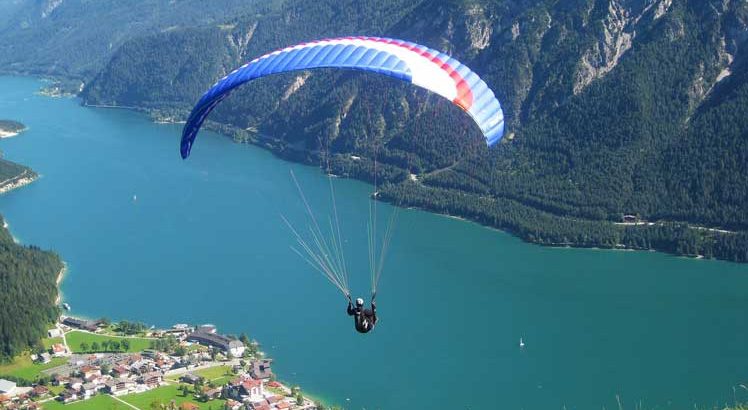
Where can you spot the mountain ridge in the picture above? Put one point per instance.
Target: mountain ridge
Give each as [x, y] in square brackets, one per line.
[614, 107]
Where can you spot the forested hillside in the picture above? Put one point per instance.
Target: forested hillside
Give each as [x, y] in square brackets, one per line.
[27, 294]
[614, 107]
[27, 281]
[74, 38]
[10, 170]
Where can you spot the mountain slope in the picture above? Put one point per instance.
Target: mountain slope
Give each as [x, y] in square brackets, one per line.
[74, 38]
[615, 107]
[28, 290]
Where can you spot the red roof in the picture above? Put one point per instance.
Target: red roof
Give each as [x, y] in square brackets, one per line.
[248, 384]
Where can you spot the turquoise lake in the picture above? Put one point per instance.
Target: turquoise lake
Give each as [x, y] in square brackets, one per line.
[204, 242]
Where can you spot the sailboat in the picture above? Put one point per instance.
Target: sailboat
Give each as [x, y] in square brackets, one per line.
[521, 343]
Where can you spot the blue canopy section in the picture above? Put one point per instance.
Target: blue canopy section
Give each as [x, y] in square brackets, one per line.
[323, 56]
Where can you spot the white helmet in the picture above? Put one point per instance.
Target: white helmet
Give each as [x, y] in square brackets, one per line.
[359, 302]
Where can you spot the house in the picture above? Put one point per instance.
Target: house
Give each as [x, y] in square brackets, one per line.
[55, 332]
[120, 371]
[190, 378]
[214, 393]
[253, 389]
[60, 380]
[152, 379]
[283, 405]
[189, 406]
[75, 383]
[274, 399]
[89, 325]
[7, 388]
[142, 366]
[90, 372]
[67, 396]
[45, 358]
[180, 330]
[630, 218]
[88, 390]
[39, 391]
[59, 350]
[118, 387]
[230, 346]
[233, 405]
[261, 369]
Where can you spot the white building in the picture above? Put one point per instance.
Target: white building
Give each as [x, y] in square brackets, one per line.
[7, 387]
[54, 332]
[59, 350]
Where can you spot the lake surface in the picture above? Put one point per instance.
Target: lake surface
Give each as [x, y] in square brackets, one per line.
[203, 241]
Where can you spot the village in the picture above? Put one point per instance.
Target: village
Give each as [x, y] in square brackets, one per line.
[89, 364]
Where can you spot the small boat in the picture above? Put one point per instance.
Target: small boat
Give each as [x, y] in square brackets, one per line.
[521, 343]
[135, 198]
[66, 306]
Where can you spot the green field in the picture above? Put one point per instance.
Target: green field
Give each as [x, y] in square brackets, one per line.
[165, 395]
[23, 367]
[217, 374]
[100, 402]
[75, 338]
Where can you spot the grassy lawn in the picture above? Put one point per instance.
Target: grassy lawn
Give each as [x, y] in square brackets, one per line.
[223, 380]
[23, 367]
[75, 338]
[55, 390]
[99, 402]
[48, 342]
[217, 374]
[196, 348]
[276, 390]
[165, 395]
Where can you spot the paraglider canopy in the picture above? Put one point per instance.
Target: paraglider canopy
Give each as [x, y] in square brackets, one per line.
[409, 62]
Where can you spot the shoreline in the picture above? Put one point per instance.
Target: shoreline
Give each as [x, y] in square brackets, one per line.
[58, 281]
[618, 246]
[8, 134]
[18, 181]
